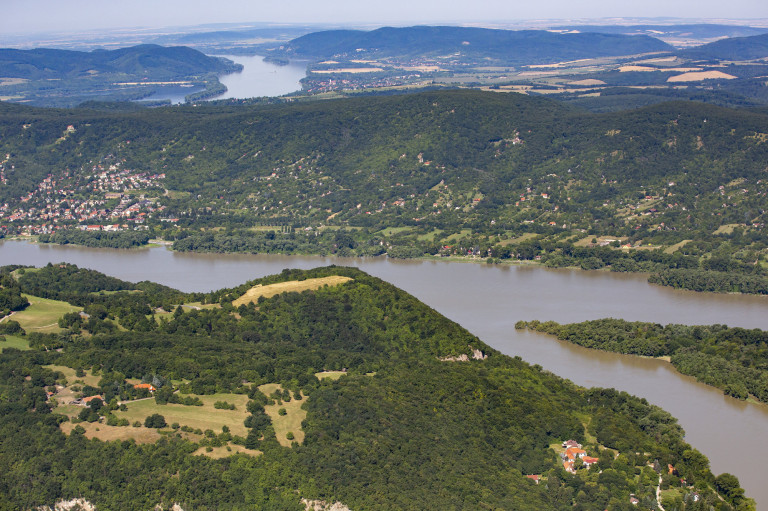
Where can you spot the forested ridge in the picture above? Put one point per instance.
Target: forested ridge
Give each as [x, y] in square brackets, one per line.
[448, 173]
[732, 359]
[403, 425]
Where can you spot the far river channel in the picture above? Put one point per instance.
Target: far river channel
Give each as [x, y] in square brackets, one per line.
[488, 300]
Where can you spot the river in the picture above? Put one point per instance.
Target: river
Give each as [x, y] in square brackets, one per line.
[258, 78]
[488, 300]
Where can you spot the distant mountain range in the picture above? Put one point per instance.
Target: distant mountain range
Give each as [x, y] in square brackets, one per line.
[504, 46]
[734, 48]
[147, 60]
[700, 31]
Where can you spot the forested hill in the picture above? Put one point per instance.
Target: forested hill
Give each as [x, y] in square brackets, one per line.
[148, 61]
[453, 172]
[732, 48]
[460, 43]
[337, 387]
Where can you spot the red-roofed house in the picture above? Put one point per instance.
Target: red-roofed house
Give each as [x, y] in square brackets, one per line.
[568, 466]
[572, 453]
[534, 477]
[147, 386]
[589, 461]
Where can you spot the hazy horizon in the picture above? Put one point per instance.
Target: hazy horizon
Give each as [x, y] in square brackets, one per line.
[29, 17]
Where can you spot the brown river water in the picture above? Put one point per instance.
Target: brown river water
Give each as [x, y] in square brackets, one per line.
[488, 300]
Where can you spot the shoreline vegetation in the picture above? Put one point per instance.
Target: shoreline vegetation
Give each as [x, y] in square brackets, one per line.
[691, 278]
[229, 395]
[735, 360]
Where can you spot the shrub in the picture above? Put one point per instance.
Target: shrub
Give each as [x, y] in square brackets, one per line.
[155, 421]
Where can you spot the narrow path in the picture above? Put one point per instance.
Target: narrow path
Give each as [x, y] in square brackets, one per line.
[658, 495]
[8, 316]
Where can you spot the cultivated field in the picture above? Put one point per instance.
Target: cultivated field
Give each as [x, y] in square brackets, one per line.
[271, 290]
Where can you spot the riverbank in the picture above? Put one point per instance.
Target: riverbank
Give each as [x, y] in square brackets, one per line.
[684, 279]
[729, 359]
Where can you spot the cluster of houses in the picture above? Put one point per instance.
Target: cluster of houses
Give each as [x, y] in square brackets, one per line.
[54, 201]
[573, 452]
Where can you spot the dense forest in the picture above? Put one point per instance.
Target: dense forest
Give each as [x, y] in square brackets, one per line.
[732, 359]
[415, 398]
[443, 173]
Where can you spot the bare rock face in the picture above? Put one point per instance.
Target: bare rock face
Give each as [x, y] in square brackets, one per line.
[69, 505]
[321, 505]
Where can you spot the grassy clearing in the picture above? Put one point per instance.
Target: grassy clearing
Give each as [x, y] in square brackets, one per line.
[726, 229]
[69, 375]
[333, 375]
[271, 290]
[224, 452]
[43, 314]
[197, 417]
[430, 236]
[106, 433]
[291, 421]
[389, 231]
[525, 237]
[14, 341]
[462, 234]
[677, 246]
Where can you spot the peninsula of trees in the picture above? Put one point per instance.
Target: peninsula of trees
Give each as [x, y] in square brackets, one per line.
[732, 359]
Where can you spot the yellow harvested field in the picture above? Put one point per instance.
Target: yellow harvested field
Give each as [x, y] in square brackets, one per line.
[298, 286]
[291, 421]
[626, 69]
[106, 433]
[699, 76]
[225, 452]
[589, 81]
[352, 70]
[333, 375]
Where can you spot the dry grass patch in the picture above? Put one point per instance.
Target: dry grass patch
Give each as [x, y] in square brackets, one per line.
[106, 433]
[196, 417]
[43, 314]
[69, 375]
[333, 375]
[298, 286]
[225, 452]
[288, 423]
